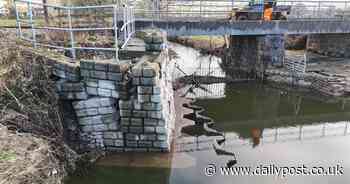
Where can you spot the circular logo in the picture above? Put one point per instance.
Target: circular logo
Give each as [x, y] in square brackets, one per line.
[210, 170]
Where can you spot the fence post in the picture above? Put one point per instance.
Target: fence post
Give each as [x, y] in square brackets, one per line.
[115, 32]
[319, 9]
[344, 10]
[124, 21]
[19, 27]
[200, 10]
[30, 11]
[167, 10]
[133, 21]
[71, 33]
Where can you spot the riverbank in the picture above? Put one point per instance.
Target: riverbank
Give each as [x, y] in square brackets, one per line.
[26, 158]
[213, 45]
[32, 140]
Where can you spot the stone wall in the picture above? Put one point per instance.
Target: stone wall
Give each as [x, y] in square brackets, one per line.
[335, 45]
[119, 105]
[147, 116]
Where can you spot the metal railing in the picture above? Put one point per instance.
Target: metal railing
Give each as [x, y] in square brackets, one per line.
[220, 9]
[76, 28]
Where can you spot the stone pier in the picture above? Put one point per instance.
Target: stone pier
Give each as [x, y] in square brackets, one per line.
[124, 105]
[251, 55]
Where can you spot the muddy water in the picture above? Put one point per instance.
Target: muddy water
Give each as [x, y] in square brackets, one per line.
[261, 125]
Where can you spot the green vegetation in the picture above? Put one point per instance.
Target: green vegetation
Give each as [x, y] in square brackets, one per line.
[7, 22]
[7, 156]
[208, 38]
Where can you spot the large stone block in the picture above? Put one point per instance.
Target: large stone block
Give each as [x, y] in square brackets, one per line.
[151, 106]
[148, 137]
[131, 137]
[101, 66]
[131, 143]
[100, 128]
[110, 118]
[123, 104]
[99, 75]
[156, 98]
[136, 121]
[106, 110]
[155, 114]
[144, 89]
[161, 130]
[115, 76]
[150, 122]
[90, 120]
[143, 98]
[149, 129]
[113, 126]
[140, 114]
[145, 144]
[161, 144]
[136, 129]
[149, 81]
[112, 135]
[125, 113]
[104, 92]
[87, 112]
[107, 84]
[106, 102]
[91, 103]
[149, 72]
[87, 64]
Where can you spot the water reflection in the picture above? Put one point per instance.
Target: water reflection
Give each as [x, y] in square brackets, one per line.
[253, 110]
[260, 124]
[268, 136]
[203, 126]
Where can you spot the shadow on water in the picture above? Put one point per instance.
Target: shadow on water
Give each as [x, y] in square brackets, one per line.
[113, 175]
[203, 126]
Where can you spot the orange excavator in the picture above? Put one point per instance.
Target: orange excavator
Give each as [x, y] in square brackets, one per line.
[261, 10]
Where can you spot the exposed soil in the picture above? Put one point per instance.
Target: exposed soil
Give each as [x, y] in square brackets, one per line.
[25, 158]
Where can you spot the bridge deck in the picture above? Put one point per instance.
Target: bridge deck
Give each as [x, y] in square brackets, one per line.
[219, 27]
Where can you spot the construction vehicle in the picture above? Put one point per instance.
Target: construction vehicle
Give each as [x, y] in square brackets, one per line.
[261, 10]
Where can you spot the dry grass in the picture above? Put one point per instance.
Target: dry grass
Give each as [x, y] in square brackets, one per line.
[32, 162]
[203, 42]
[28, 103]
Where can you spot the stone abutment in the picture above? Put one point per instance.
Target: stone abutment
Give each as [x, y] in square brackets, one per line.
[118, 105]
